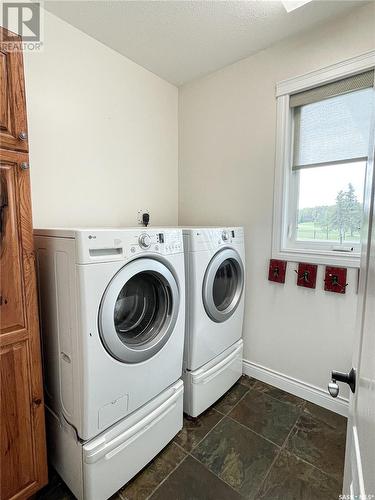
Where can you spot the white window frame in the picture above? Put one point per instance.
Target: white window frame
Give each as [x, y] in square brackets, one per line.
[281, 247]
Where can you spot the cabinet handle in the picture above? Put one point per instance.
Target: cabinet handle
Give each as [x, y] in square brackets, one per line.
[24, 165]
[3, 203]
[22, 136]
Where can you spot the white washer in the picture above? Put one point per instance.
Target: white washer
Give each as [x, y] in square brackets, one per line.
[112, 317]
[215, 282]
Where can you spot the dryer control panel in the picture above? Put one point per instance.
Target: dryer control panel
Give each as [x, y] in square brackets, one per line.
[198, 239]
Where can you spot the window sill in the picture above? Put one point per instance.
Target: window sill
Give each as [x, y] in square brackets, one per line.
[321, 257]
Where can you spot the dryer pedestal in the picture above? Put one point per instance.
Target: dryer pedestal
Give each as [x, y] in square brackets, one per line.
[208, 383]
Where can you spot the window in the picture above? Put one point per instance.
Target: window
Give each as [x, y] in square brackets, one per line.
[329, 208]
[322, 147]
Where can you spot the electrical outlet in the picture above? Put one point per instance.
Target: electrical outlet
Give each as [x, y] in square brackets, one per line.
[139, 216]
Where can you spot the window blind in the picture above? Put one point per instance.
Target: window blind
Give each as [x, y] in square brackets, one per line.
[339, 87]
[332, 123]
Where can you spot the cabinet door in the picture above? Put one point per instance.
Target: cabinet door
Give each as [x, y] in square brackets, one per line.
[23, 465]
[13, 123]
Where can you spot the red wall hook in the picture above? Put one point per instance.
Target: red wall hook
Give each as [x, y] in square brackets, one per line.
[277, 270]
[335, 279]
[306, 275]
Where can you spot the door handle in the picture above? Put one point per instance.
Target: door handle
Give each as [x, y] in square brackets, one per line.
[347, 378]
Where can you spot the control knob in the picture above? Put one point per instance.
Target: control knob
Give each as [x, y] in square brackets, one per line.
[144, 241]
[225, 236]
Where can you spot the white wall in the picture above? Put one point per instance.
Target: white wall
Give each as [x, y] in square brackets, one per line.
[103, 134]
[227, 150]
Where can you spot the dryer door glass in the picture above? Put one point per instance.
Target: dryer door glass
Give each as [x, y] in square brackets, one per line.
[139, 310]
[223, 285]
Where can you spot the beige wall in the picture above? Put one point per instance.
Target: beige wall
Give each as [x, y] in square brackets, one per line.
[227, 150]
[103, 134]
[103, 139]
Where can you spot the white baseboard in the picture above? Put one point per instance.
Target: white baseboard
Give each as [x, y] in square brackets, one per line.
[294, 386]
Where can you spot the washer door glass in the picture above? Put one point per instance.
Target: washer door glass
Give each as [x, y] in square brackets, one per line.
[223, 285]
[139, 310]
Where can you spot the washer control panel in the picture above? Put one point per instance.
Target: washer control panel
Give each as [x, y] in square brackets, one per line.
[225, 235]
[144, 240]
[159, 241]
[114, 244]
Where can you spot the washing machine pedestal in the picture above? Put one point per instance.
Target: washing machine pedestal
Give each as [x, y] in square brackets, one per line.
[96, 469]
[208, 383]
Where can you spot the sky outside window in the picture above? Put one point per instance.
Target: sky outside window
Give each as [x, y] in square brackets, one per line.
[330, 202]
[320, 185]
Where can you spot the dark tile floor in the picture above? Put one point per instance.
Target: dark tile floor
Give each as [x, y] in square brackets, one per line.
[257, 442]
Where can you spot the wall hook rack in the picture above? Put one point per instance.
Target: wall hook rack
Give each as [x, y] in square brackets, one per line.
[277, 270]
[306, 275]
[335, 279]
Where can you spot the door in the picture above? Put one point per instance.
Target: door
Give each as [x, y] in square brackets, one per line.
[13, 123]
[223, 285]
[139, 310]
[23, 463]
[359, 476]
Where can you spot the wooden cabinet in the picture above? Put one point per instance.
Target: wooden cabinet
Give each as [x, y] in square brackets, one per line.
[23, 464]
[13, 122]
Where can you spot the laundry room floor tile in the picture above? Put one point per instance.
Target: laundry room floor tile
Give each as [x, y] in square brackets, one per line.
[278, 394]
[256, 443]
[292, 478]
[267, 416]
[192, 480]
[247, 381]
[195, 429]
[56, 492]
[319, 444]
[54, 480]
[231, 398]
[156, 471]
[237, 455]
[329, 417]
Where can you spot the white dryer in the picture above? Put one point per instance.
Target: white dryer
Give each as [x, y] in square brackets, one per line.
[112, 316]
[215, 281]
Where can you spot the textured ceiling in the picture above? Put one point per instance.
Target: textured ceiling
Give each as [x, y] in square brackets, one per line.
[182, 40]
